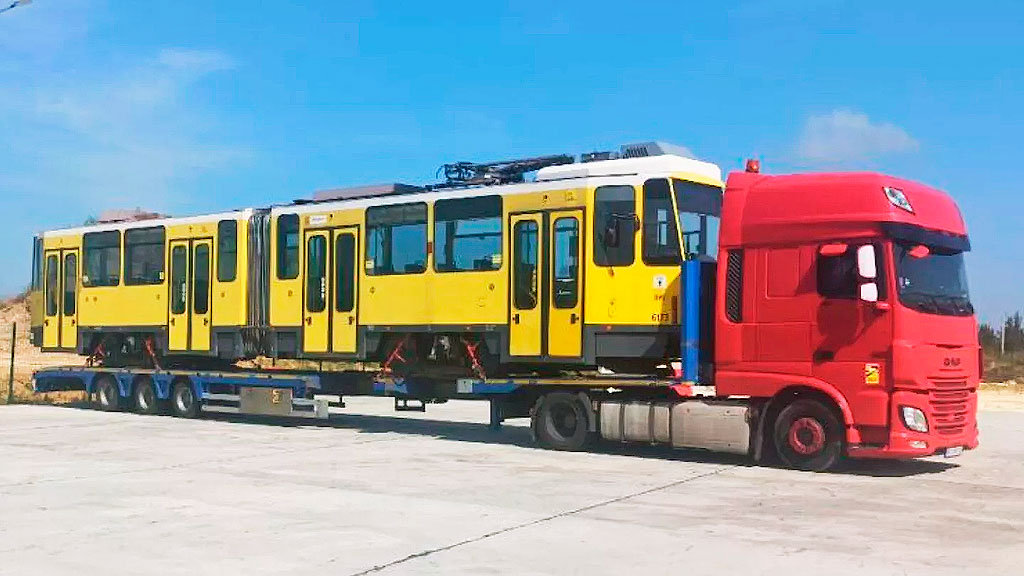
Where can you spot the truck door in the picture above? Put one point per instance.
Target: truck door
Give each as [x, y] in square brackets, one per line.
[851, 338]
[316, 313]
[202, 271]
[177, 329]
[565, 306]
[526, 325]
[344, 320]
[69, 300]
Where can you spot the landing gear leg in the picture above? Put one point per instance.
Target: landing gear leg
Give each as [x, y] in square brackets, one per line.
[496, 416]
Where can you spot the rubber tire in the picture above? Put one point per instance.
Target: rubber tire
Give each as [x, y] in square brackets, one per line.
[144, 397]
[831, 452]
[554, 406]
[108, 393]
[184, 403]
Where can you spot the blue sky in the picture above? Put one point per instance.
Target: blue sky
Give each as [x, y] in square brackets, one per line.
[192, 106]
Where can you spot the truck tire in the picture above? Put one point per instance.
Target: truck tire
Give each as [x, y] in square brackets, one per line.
[108, 394]
[184, 403]
[808, 436]
[146, 400]
[560, 422]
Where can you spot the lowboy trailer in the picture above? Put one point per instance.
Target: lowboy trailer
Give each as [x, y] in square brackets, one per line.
[565, 413]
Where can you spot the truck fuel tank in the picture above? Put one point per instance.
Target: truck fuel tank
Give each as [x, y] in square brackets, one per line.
[721, 426]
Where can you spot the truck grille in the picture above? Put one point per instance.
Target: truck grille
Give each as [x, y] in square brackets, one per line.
[950, 402]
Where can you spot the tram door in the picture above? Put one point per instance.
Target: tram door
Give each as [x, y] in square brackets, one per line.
[545, 299]
[190, 295]
[565, 305]
[60, 320]
[316, 293]
[330, 298]
[526, 322]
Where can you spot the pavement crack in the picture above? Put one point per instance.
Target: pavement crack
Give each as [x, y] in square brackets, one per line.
[564, 514]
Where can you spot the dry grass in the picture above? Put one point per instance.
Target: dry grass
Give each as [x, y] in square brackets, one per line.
[1004, 368]
[27, 358]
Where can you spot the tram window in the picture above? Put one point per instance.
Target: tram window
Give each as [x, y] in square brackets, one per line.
[396, 239]
[227, 250]
[661, 240]
[566, 263]
[179, 269]
[467, 234]
[70, 283]
[144, 256]
[288, 247]
[316, 274]
[37, 263]
[52, 276]
[102, 258]
[201, 282]
[525, 262]
[345, 272]
[614, 225]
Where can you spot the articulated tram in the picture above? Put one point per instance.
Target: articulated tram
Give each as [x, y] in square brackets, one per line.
[487, 273]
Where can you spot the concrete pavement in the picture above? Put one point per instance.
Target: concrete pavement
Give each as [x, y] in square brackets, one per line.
[87, 492]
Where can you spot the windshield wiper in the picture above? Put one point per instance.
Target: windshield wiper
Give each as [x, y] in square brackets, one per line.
[923, 298]
[942, 303]
[963, 304]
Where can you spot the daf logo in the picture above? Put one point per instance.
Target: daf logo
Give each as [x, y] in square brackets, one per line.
[951, 362]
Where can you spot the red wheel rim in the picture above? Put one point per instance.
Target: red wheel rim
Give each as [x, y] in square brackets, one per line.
[806, 436]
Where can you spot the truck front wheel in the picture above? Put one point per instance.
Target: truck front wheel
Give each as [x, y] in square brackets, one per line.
[808, 436]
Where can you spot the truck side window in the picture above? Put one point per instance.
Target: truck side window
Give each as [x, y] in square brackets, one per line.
[837, 275]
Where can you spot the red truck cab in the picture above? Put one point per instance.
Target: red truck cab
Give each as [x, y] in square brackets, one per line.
[842, 301]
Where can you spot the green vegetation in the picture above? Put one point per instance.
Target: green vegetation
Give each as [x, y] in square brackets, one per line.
[1003, 360]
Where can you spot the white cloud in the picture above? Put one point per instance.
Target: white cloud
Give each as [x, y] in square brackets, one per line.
[844, 136]
[118, 137]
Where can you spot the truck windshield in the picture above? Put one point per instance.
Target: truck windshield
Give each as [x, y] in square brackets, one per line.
[700, 207]
[935, 283]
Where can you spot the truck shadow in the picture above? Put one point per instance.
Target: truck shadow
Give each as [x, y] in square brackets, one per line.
[519, 436]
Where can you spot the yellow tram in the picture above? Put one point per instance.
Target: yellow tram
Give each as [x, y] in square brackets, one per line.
[579, 267]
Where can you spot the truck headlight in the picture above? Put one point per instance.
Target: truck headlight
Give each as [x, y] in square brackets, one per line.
[914, 419]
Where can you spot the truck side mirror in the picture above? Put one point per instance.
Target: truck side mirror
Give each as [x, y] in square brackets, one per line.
[611, 232]
[866, 265]
[869, 292]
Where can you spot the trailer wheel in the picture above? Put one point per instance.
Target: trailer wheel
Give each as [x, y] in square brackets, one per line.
[808, 436]
[108, 395]
[560, 422]
[184, 403]
[146, 400]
